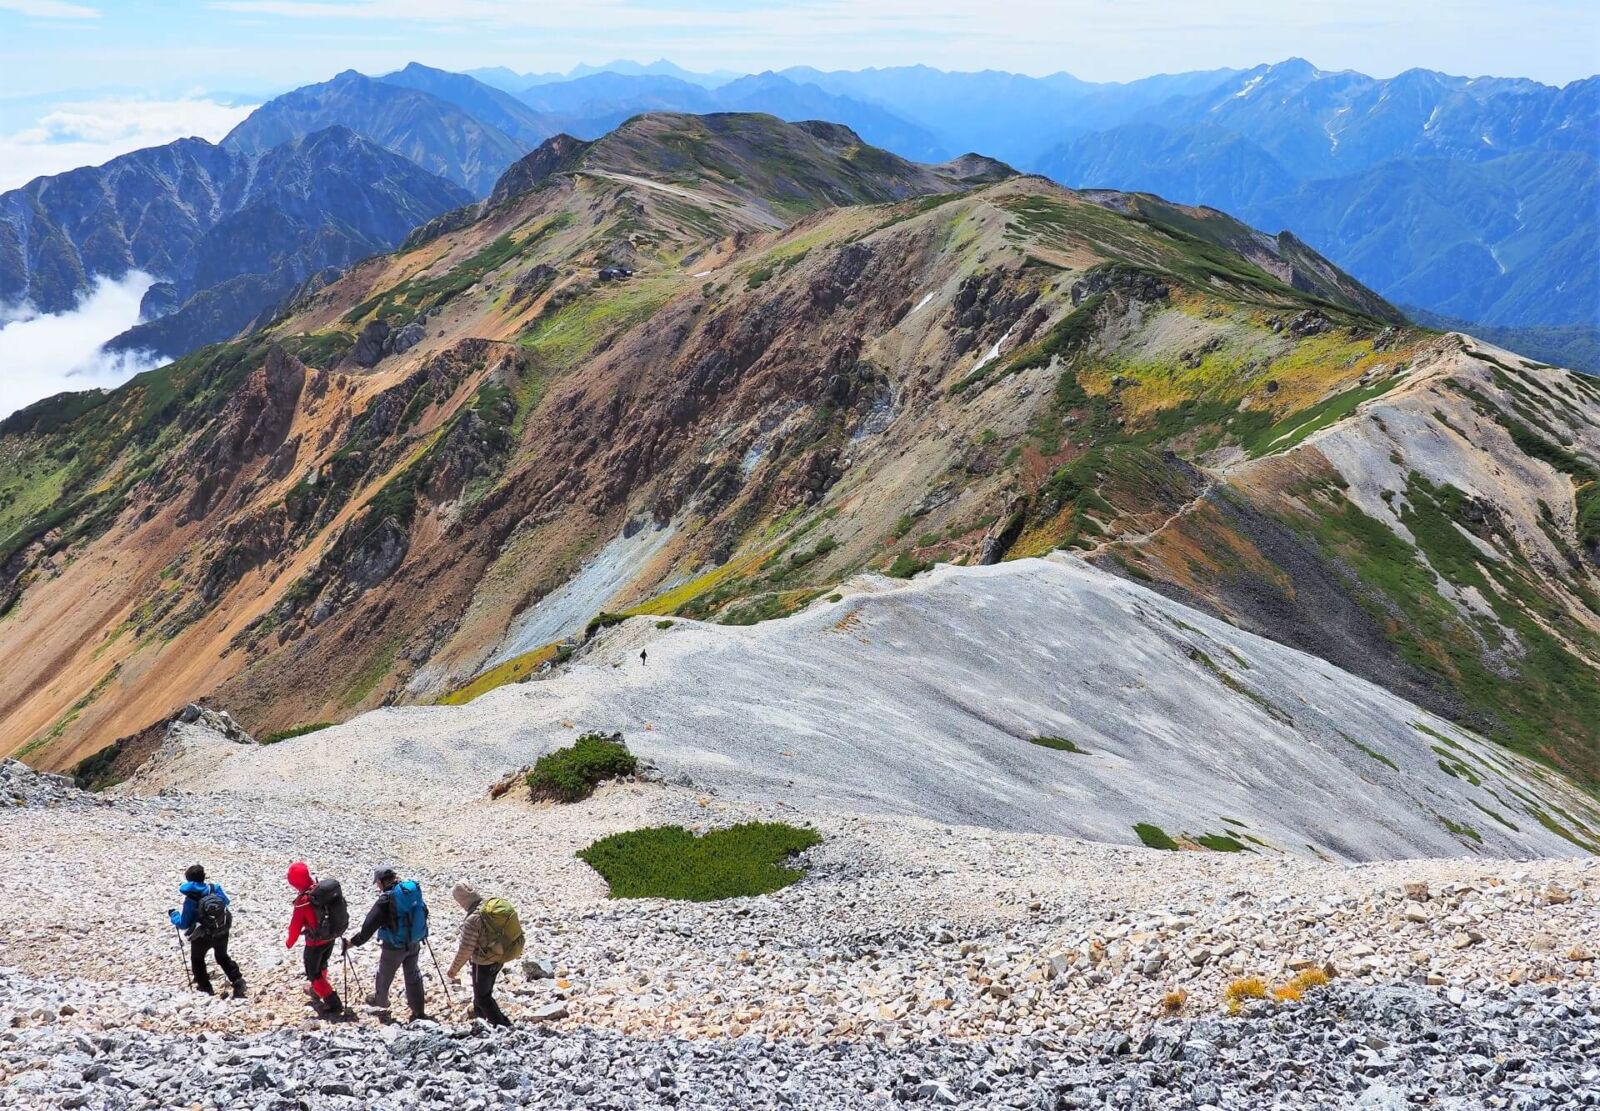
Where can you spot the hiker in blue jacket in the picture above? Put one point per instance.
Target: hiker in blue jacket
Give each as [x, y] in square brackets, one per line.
[400, 919]
[206, 921]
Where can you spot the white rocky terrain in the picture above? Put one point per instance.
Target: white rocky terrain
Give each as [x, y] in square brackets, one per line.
[979, 926]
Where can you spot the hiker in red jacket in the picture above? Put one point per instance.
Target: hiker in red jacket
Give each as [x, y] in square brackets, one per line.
[320, 932]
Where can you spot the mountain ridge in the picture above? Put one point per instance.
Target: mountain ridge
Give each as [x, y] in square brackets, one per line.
[783, 394]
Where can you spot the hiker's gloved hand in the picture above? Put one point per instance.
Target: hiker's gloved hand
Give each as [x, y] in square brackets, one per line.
[344, 946]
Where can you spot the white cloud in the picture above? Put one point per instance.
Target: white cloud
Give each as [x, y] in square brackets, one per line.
[41, 355]
[88, 133]
[49, 9]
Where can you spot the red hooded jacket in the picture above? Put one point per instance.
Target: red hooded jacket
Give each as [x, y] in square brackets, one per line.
[304, 918]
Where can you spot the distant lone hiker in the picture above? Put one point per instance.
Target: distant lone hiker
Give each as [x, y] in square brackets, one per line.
[206, 921]
[642, 657]
[400, 919]
[490, 937]
[321, 915]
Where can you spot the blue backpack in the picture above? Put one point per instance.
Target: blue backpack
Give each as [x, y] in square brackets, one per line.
[410, 922]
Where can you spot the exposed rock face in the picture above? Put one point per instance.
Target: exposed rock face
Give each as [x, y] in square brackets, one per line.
[371, 345]
[217, 721]
[1140, 285]
[20, 785]
[554, 155]
[251, 424]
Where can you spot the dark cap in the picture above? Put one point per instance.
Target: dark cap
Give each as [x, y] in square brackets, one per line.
[385, 876]
[195, 874]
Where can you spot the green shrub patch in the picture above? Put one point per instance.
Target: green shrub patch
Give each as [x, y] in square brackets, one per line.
[297, 731]
[571, 774]
[1154, 837]
[670, 862]
[1060, 744]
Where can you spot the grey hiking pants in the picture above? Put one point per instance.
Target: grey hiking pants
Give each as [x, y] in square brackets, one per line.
[390, 960]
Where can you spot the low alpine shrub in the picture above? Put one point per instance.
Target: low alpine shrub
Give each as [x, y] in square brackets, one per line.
[670, 862]
[1154, 837]
[571, 774]
[297, 731]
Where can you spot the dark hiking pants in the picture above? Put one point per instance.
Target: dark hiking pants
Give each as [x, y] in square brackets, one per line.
[483, 1004]
[391, 960]
[218, 946]
[316, 959]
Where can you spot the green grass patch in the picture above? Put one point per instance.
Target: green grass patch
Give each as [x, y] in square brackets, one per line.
[1154, 837]
[670, 862]
[1294, 428]
[514, 670]
[571, 774]
[1220, 843]
[277, 735]
[1060, 744]
[905, 566]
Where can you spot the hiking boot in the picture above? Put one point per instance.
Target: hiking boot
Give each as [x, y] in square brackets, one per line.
[238, 988]
[331, 1005]
[420, 1016]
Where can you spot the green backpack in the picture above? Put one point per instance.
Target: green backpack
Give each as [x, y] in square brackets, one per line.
[502, 932]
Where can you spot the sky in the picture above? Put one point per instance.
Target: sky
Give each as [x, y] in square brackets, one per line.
[165, 47]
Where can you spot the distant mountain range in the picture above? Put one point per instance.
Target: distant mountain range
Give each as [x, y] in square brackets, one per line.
[227, 234]
[1451, 194]
[1471, 199]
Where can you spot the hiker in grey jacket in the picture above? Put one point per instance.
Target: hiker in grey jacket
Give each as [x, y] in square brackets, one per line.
[400, 938]
[485, 952]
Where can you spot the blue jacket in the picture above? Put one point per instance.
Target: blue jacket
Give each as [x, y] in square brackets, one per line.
[192, 894]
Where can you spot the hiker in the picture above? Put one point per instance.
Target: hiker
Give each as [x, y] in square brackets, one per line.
[320, 913]
[490, 937]
[399, 917]
[206, 920]
[642, 657]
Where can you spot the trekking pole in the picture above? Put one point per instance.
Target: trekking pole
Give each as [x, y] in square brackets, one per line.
[188, 974]
[450, 999]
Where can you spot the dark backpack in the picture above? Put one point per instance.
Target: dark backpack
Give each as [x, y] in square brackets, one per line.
[333, 914]
[408, 916]
[212, 918]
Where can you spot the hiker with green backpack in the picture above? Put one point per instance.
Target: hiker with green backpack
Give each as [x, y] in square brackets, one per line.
[399, 917]
[490, 936]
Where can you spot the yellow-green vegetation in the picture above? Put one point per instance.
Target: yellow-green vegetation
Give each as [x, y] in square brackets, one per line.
[1372, 752]
[400, 303]
[670, 862]
[514, 670]
[563, 338]
[1307, 980]
[62, 723]
[379, 666]
[1233, 683]
[1537, 696]
[677, 601]
[571, 774]
[1242, 989]
[277, 735]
